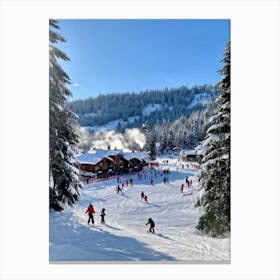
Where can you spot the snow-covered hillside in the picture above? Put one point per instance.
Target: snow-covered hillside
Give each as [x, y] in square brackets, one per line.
[201, 98]
[150, 108]
[111, 125]
[108, 126]
[125, 236]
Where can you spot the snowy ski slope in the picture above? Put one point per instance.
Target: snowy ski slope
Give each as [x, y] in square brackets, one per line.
[125, 237]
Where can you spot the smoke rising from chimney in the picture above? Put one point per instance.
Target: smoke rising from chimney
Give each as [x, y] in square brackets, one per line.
[131, 139]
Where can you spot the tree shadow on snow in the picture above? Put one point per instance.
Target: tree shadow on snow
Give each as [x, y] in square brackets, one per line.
[112, 227]
[88, 243]
[123, 194]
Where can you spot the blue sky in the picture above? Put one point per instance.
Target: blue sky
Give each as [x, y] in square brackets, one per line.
[116, 56]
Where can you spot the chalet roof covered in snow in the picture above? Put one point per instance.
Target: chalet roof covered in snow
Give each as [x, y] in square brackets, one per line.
[95, 156]
[188, 153]
[138, 155]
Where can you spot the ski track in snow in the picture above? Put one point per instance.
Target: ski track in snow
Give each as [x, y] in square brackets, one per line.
[125, 236]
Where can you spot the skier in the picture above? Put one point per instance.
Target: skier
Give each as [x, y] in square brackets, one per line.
[182, 188]
[146, 198]
[152, 225]
[131, 182]
[119, 189]
[90, 212]
[103, 216]
[187, 181]
[166, 180]
[152, 181]
[142, 195]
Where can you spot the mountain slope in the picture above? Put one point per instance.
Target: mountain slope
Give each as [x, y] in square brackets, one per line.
[129, 110]
[125, 237]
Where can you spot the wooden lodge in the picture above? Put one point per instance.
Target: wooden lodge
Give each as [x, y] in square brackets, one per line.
[105, 163]
[188, 155]
[136, 165]
[101, 168]
[120, 164]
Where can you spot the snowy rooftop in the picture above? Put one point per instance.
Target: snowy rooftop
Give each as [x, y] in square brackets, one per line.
[95, 156]
[91, 158]
[188, 152]
[138, 155]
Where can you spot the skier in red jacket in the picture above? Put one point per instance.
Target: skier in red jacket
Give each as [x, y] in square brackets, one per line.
[90, 212]
[145, 198]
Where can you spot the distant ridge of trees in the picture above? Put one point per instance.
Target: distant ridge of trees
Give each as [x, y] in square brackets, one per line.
[171, 104]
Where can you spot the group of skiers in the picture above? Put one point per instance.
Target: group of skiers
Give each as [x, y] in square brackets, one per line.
[144, 197]
[120, 181]
[90, 210]
[120, 189]
[141, 175]
[166, 171]
[188, 182]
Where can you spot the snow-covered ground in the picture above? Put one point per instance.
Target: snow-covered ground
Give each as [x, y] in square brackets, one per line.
[150, 108]
[201, 98]
[112, 125]
[125, 237]
[108, 126]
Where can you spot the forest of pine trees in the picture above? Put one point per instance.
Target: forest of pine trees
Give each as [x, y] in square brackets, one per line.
[173, 123]
[214, 178]
[63, 172]
[172, 104]
[184, 133]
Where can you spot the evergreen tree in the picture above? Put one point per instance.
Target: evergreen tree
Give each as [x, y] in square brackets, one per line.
[215, 175]
[150, 145]
[63, 172]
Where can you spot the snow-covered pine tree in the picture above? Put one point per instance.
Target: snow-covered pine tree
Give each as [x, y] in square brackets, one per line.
[63, 172]
[150, 145]
[214, 178]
